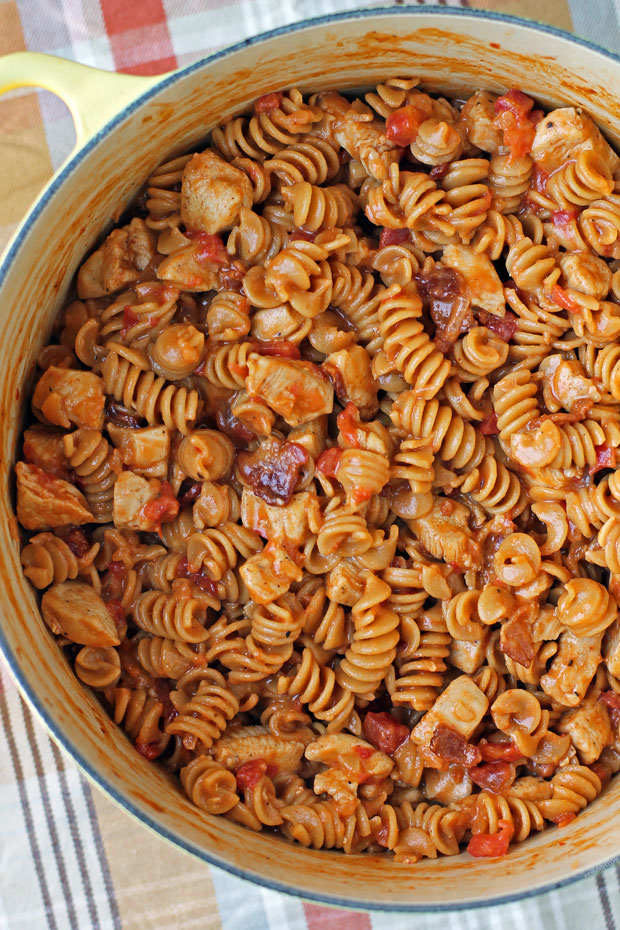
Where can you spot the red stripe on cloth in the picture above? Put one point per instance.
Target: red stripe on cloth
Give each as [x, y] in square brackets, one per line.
[147, 50]
[328, 918]
[121, 15]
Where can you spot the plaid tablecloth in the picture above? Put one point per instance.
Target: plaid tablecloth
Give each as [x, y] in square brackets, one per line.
[69, 858]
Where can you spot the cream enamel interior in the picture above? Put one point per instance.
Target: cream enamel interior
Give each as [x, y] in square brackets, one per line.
[449, 53]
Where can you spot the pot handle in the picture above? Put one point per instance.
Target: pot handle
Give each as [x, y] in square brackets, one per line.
[92, 95]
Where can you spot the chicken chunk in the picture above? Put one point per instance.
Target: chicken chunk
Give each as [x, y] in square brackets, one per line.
[363, 138]
[565, 384]
[350, 372]
[461, 707]
[484, 288]
[65, 396]
[297, 391]
[477, 122]
[589, 728]
[270, 573]
[117, 263]
[212, 193]
[572, 669]
[585, 273]
[131, 495]
[144, 451]
[189, 269]
[76, 611]
[290, 523]
[565, 132]
[239, 745]
[44, 448]
[469, 656]
[445, 534]
[45, 501]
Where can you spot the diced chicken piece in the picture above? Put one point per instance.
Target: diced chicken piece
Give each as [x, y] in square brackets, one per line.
[611, 649]
[350, 372]
[573, 668]
[469, 656]
[484, 288]
[447, 787]
[76, 611]
[65, 396]
[45, 501]
[118, 262]
[585, 273]
[269, 573]
[345, 584]
[546, 627]
[461, 707]
[445, 534]
[188, 269]
[239, 745]
[589, 728]
[144, 451]
[44, 448]
[131, 494]
[289, 523]
[477, 122]
[342, 750]
[312, 436]
[565, 384]
[295, 390]
[364, 140]
[530, 788]
[565, 132]
[212, 193]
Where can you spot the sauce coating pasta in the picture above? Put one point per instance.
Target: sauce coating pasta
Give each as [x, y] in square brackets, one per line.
[321, 488]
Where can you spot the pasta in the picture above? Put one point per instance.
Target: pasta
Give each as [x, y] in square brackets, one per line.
[322, 495]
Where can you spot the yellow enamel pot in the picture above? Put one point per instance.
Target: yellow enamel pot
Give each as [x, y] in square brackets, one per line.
[126, 126]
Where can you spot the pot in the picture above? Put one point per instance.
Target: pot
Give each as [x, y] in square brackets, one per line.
[126, 126]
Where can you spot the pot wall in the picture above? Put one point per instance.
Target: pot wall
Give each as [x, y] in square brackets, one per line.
[449, 53]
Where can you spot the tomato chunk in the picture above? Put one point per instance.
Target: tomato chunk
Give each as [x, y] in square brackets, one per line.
[250, 773]
[328, 461]
[401, 126]
[348, 423]
[563, 820]
[165, 507]
[605, 458]
[506, 751]
[276, 348]
[129, 320]
[563, 218]
[384, 732]
[492, 845]
[211, 248]
[563, 299]
[393, 237]
[489, 427]
[505, 327]
[364, 752]
[493, 776]
[450, 746]
[268, 102]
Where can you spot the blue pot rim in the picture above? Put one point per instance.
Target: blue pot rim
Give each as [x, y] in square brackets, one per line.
[51, 725]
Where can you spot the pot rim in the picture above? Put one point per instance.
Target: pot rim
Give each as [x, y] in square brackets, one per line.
[6, 261]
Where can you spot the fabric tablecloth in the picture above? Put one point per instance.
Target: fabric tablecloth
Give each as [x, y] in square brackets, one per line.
[69, 858]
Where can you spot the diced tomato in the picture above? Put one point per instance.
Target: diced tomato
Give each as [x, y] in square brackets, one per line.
[451, 746]
[515, 101]
[505, 326]
[488, 426]
[605, 458]
[250, 773]
[563, 299]
[299, 233]
[536, 116]
[439, 171]
[276, 348]
[211, 248]
[364, 752]
[328, 461]
[516, 641]
[150, 751]
[117, 569]
[360, 495]
[384, 732]
[165, 507]
[117, 611]
[563, 218]
[348, 423]
[382, 834]
[562, 820]
[505, 751]
[492, 845]
[268, 102]
[393, 237]
[401, 126]
[493, 776]
[129, 320]
[75, 538]
[201, 580]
